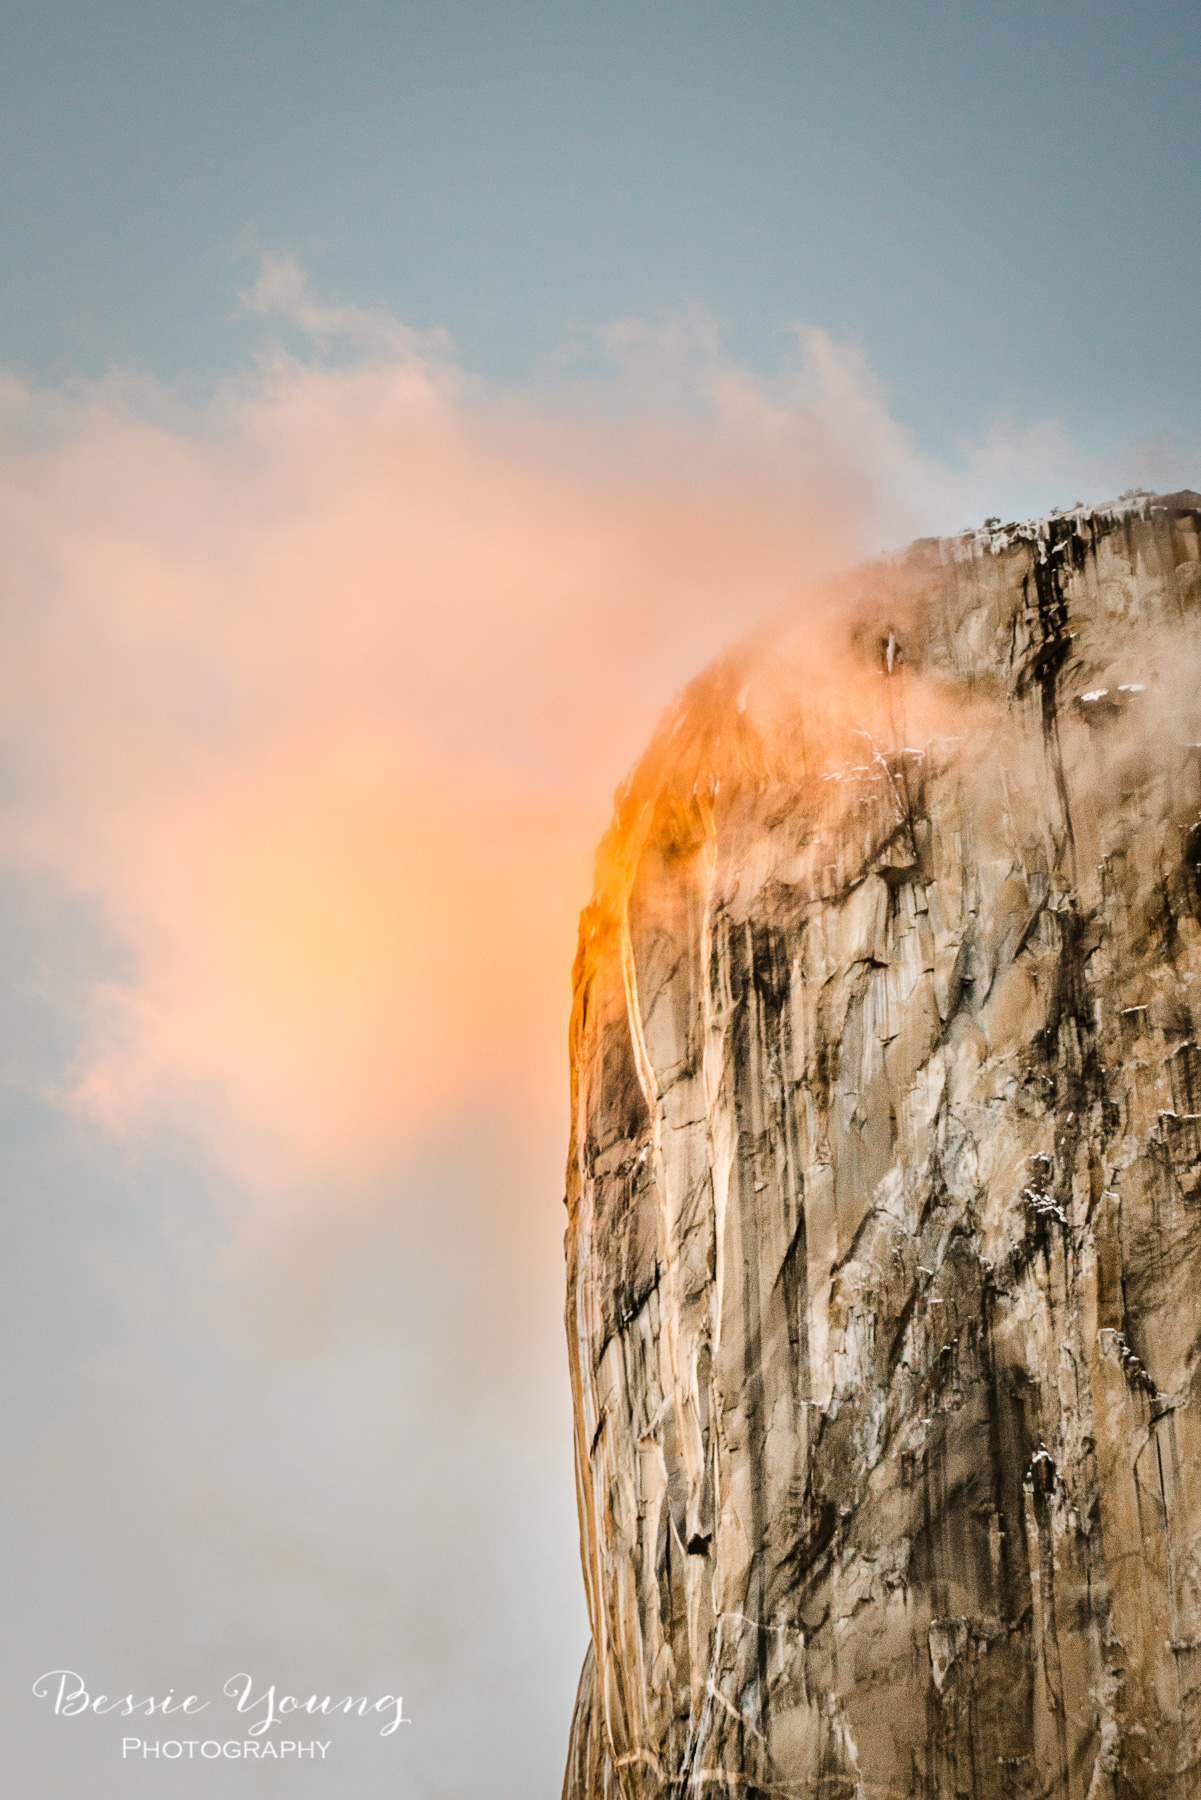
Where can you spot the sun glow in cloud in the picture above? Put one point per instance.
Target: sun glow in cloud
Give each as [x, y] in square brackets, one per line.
[318, 696]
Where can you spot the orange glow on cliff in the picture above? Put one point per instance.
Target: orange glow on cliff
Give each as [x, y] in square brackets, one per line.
[320, 701]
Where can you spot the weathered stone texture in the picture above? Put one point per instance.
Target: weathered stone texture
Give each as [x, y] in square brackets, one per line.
[884, 1243]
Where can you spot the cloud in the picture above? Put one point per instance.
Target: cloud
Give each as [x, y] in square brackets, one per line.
[281, 291]
[317, 695]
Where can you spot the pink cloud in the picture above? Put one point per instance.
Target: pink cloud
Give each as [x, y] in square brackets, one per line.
[320, 694]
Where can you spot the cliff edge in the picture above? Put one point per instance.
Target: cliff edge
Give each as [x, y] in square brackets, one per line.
[884, 1193]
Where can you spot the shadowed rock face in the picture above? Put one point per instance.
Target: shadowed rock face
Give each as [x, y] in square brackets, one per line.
[884, 1242]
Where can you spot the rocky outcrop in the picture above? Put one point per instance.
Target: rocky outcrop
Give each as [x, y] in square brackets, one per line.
[884, 1242]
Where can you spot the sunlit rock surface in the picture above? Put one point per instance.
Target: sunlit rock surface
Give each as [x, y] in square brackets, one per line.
[884, 1242]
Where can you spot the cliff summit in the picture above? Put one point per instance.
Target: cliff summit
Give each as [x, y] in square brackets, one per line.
[884, 1193]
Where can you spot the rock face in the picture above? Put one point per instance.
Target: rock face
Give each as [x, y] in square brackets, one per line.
[884, 1242]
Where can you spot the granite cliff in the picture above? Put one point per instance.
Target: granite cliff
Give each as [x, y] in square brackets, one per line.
[884, 1193]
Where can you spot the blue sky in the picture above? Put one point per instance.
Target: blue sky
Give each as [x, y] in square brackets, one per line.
[997, 203]
[398, 403]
